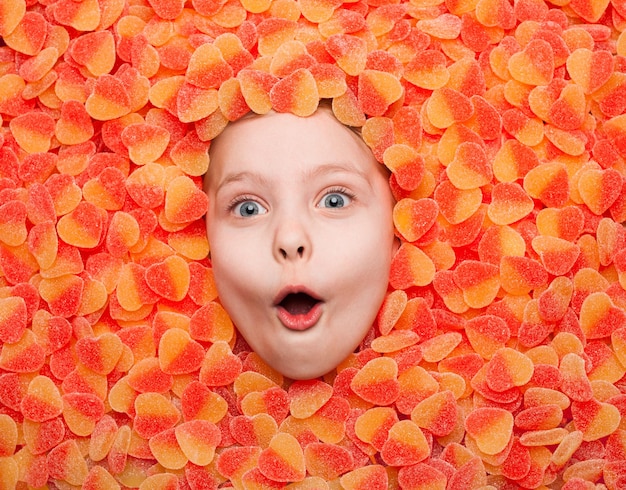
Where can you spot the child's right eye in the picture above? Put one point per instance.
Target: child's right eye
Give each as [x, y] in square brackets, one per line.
[248, 208]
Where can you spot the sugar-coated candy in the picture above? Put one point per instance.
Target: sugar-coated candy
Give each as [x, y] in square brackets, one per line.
[520, 275]
[497, 358]
[82, 227]
[599, 188]
[42, 400]
[306, 397]
[109, 99]
[301, 81]
[594, 419]
[421, 476]
[451, 293]
[349, 52]
[165, 481]
[13, 316]
[373, 426]
[179, 353]
[427, 69]
[416, 384]
[82, 380]
[374, 477]
[456, 205]
[273, 401]
[509, 203]
[549, 183]
[199, 402]
[154, 414]
[255, 479]
[99, 354]
[33, 469]
[65, 463]
[184, 202]
[37, 167]
[491, 428]
[251, 381]
[146, 376]
[327, 461]
[406, 444]
[197, 440]
[170, 278]
[377, 382]
[393, 306]
[23, 356]
[411, 267]
[606, 372]
[220, 366]
[601, 320]
[98, 477]
[557, 255]
[377, 91]
[256, 430]
[408, 166]
[413, 218]
[9, 436]
[283, 460]
[478, 282]
[437, 413]
[41, 437]
[102, 438]
[328, 424]
[118, 454]
[81, 412]
[508, 368]
[534, 65]
[590, 70]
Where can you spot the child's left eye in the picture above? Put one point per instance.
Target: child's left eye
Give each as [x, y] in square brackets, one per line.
[335, 200]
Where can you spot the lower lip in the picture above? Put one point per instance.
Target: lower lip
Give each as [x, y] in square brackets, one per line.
[300, 322]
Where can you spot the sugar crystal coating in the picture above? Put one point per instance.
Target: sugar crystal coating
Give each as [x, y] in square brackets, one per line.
[497, 358]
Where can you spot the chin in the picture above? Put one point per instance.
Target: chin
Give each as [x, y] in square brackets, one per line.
[303, 369]
[303, 375]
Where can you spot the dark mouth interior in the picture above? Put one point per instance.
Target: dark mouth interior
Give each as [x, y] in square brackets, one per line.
[298, 303]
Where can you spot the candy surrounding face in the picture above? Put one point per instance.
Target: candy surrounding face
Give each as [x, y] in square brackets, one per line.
[301, 235]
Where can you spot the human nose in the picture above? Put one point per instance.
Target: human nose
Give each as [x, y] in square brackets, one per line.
[291, 241]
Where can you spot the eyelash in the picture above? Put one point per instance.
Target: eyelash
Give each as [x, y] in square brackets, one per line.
[333, 190]
[340, 190]
[238, 200]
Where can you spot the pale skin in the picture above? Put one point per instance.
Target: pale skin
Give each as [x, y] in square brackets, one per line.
[301, 236]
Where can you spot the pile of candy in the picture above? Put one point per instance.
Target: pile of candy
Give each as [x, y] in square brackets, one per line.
[498, 358]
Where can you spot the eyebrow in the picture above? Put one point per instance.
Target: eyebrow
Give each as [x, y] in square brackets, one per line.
[320, 170]
[339, 167]
[242, 177]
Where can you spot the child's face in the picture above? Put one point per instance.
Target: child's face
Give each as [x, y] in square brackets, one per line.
[301, 234]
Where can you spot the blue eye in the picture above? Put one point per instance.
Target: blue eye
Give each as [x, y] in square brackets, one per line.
[247, 209]
[335, 200]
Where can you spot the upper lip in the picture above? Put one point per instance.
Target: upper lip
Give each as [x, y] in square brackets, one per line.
[287, 290]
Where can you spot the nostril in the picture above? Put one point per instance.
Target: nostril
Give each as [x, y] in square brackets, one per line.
[289, 253]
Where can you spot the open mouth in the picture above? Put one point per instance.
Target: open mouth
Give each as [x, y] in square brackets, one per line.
[299, 310]
[298, 303]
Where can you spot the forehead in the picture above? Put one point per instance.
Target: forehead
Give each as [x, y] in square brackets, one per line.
[259, 141]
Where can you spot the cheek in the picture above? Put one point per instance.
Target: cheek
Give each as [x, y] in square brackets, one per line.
[369, 244]
[238, 265]
[360, 269]
[229, 247]
[233, 273]
[237, 288]
[224, 252]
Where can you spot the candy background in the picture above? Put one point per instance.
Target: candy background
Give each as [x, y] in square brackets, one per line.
[498, 358]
